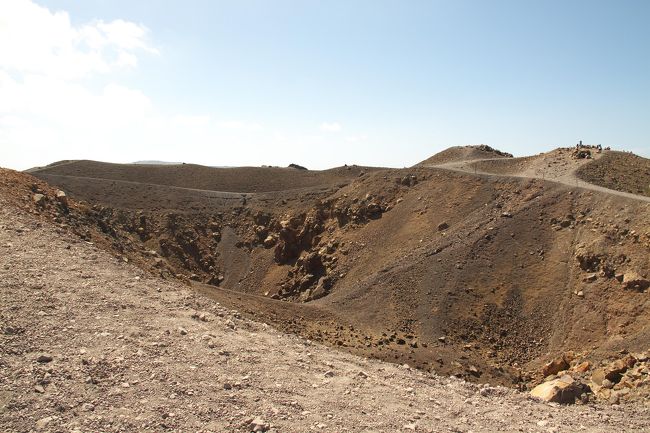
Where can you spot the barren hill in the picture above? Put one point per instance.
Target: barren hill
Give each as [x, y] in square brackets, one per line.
[192, 176]
[464, 153]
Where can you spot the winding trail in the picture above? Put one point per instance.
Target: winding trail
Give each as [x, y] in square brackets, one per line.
[551, 166]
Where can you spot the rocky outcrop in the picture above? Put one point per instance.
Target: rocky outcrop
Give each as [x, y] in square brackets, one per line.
[634, 281]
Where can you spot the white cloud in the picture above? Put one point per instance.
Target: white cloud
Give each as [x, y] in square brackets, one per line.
[330, 127]
[34, 39]
[47, 109]
[70, 104]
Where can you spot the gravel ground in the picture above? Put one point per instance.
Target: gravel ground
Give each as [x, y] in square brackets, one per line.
[92, 344]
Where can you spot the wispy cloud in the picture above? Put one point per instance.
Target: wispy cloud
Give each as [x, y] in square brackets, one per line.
[331, 127]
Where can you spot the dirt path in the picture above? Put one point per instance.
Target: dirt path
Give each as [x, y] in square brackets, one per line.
[540, 168]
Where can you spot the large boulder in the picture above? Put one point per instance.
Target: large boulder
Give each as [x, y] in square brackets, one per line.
[563, 390]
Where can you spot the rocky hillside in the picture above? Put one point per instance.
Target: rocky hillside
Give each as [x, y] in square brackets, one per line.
[90, 342]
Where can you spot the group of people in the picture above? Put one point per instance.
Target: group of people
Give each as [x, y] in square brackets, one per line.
[598, 147]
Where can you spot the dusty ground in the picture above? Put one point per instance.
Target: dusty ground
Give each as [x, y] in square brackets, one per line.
[90, 343]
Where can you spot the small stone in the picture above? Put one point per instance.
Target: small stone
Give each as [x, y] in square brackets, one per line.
[182, 331]
[329, 373]
[39, 389]
[43, 422]
[8, 330]
[607, 384]
[583, 367]
[227, 386]
[44, 358]
[590, 278]
[257, 425]
[62, 198]
[269, 241]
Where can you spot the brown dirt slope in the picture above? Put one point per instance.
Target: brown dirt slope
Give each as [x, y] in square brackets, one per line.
[478, 276]
[89, 343]
[621, 171]
[236, 179]
[463, 153]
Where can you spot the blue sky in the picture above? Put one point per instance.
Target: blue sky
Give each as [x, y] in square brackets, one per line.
[320, 83]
